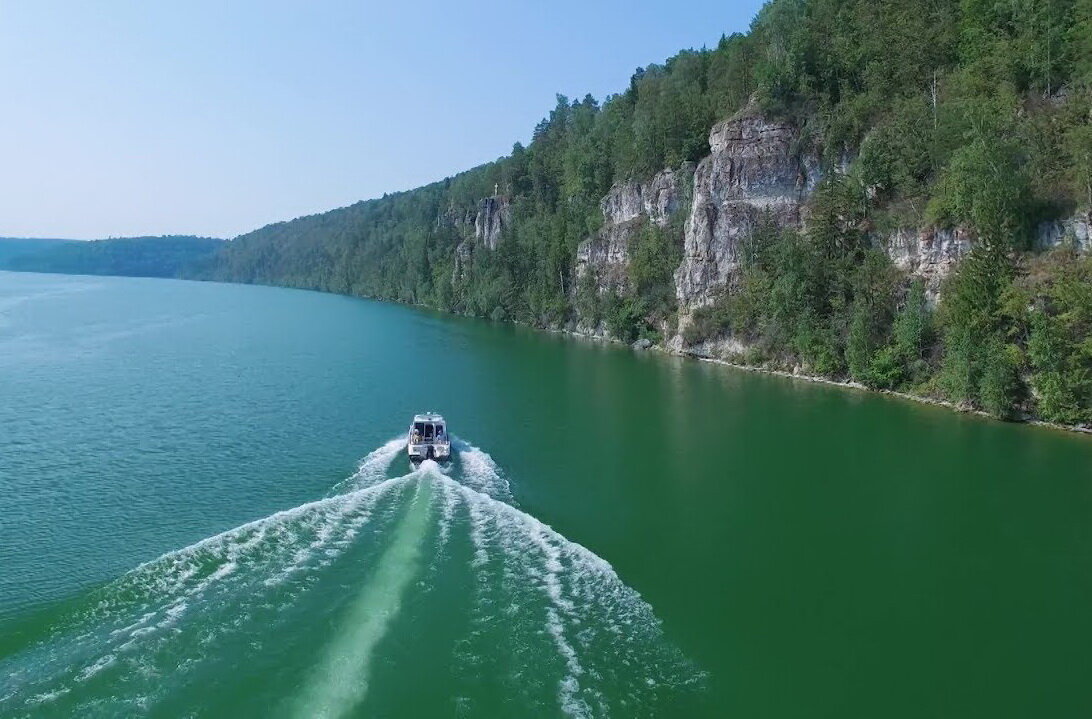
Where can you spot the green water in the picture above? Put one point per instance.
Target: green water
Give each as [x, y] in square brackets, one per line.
[203, 513]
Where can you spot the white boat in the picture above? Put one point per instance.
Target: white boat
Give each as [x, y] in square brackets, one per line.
[428, 438]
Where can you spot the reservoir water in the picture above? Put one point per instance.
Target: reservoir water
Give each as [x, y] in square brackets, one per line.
[205, 511]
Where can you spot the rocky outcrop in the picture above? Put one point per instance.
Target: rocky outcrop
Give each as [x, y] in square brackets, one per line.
[626, 209]
[483, 227]
[656, 199]
[493, 218]
[1075, 230]
[462, 259]
[756, 173]
[929, 254]
[932, 253]
[753, 174]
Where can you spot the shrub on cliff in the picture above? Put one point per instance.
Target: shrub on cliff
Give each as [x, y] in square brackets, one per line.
[1051, 306]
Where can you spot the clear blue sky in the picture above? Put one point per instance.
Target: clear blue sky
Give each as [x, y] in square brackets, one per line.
[213, 118]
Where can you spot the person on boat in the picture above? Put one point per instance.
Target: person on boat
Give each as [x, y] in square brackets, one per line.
[416, 436]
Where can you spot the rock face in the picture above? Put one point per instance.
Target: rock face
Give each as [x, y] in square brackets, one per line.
[656, 199]
[928, 254]
[462, 259]
[752, 174]
[1076, 229]
[755, 173]
[483, 227]
[492, 219]
[626, 209]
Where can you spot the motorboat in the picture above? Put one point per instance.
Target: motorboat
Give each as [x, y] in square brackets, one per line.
[428, 438]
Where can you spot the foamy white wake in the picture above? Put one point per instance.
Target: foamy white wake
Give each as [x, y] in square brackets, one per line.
[480, 472]
[340, 681]
[561, 610]
[551, 623]
[135, 619]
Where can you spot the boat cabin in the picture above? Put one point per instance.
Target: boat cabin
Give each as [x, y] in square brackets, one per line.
[428, 438]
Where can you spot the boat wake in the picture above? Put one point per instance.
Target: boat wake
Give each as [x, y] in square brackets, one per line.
[313, 594]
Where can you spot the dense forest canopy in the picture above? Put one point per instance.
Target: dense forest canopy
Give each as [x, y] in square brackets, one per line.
[14, 247]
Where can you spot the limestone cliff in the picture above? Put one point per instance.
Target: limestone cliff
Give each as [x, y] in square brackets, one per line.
[1076, 229]
[483, 227]
[753, 173]
[929, 254]
[626, 209]
[758, 171]
[494, 216]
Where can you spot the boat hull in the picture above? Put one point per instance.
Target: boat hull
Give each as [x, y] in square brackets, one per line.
[421, 452]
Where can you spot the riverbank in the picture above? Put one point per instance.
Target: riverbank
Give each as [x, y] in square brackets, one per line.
[849, 384]
[957, 407]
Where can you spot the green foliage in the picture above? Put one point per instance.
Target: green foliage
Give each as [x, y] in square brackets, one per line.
[1078, 148]
[654, 255]
[979, 367]
[625, 318]
[710, 321]
[860, 345]
[1000, 388]
[895, 157]
[912, 337]
[1052, 306]
[986, 186]
[886, 370]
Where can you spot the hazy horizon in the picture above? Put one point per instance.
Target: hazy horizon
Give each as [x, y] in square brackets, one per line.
[213, 121]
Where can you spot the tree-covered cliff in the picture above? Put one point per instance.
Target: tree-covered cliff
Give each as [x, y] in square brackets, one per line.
[876, 203]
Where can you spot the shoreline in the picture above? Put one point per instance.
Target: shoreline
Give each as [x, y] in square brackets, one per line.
[920, 399]
[818, 379]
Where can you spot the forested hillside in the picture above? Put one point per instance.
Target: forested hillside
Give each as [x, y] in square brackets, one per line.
[164, 256]
[14, 247]
[969, 121]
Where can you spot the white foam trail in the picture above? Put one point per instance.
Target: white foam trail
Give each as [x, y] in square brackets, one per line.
[449, 501]
[142, 607]
[341, 680]
[373, 468]
[600, 631]
[97, 667]
[481, 473]
[478, 525]
[569, 686]
[521, 535]
[173, 571]
[337, 531]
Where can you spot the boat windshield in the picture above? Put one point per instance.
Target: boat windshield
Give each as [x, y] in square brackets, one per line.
[428, 431]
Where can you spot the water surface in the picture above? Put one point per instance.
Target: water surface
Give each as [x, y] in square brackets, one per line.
[206, 512]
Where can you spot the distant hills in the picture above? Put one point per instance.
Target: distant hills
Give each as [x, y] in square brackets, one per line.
[164, 256]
